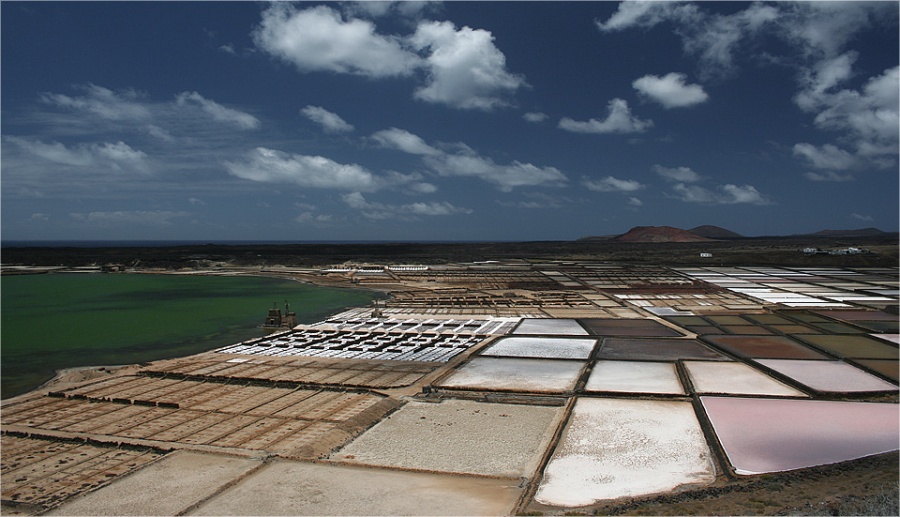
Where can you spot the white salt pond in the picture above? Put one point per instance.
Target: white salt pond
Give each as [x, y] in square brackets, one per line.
[515, 374]
[550, 326]
[834, 376]
[543, 347]
[458, 436]
[735, 379]
[774, 435]
[625, 448]
[634, 377]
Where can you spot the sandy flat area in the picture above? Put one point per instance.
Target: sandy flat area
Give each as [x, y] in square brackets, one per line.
[294, 488]
[458, 436]
[167, 487]
[625, 448]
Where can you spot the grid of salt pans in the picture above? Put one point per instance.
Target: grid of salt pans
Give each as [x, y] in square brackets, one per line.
[348, 344]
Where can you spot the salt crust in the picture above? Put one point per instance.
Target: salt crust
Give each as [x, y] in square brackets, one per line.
[615, 448]
[735, 379]
[514, 374]
[550, 326]
[551, 348]
[458, 436]
[634, 377]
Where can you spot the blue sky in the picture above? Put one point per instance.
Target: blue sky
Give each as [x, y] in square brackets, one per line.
[445, 121]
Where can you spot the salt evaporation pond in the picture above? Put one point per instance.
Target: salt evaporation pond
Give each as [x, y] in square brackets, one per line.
[625, 448]
[736, 379]
[775, 347]
[458, 436]
[856, 347]
[832, 376]
[809, 432]
[656, 349]
[550, 327]
[544, 347]
[634, 377]
[528, 375]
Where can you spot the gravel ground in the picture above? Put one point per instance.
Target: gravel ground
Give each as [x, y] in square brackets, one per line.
[458, 436]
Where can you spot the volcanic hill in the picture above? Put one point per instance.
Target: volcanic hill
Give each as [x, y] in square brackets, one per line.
[659, 234]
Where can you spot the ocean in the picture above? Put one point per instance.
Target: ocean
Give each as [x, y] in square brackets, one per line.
[55, 321]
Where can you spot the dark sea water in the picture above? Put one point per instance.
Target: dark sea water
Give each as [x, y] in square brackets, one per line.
[55, 321]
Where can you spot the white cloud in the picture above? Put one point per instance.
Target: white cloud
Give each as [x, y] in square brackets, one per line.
[866, 218]
[111, 156]
[102, 102]
[378, 211]
[318, 39]
[826, 157]
[713, 38]
[465, 68]
[329, 121]
[402, 140]
[726, 195]
[268, 165]
[218, 112]
[140, 217]
[405, 9]
[670, 90]
[612, 184]
[680, 174]
[633, 201]
[828, 176]
[535, 117]
[506, 177]
[618, 120]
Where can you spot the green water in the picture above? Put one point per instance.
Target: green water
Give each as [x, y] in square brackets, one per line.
[56, 321]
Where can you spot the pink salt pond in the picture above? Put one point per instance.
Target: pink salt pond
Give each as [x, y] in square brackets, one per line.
[828, 376]
[774, 435]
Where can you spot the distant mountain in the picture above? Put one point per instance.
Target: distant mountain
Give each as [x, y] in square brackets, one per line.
[715, 232]
[863, 232]
[659, 234]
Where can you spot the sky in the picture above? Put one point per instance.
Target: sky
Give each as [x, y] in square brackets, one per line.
[445, 121]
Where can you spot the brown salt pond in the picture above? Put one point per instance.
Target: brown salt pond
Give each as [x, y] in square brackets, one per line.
[775, 347]
[656, 349]
[828, 376]
[773, 435]
[628, 327]
[886, 367]
[625, 448]
[855, 347]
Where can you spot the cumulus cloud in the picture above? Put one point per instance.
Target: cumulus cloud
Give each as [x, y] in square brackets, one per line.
[725, 195]
[268, 165]
[102, 102]
[330, 122]
[377, 211]
[535, 117]
[713, 38]
[216, 111]
[116, 156]
[410, 9]
[671, 90]
[506, 177]
[618, 120]
[465, 69]
[612, 184]
[402, 140]
[319, 39]
[826, 157]
[679, 174]
[828, 176]
[633, 201]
